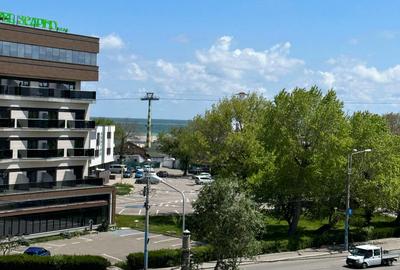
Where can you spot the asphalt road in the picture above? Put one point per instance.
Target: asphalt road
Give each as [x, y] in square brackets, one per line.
[163, 199]
[330, 262]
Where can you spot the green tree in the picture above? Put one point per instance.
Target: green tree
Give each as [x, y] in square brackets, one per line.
[309, 136]
[178, 143]
[228, 220]
[226, 136]
[375, 175]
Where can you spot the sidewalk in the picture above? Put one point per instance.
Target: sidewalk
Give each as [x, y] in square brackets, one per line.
[391, 244]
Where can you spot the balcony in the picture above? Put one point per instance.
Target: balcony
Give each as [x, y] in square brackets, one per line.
[55, 185]
[40, 123]
[46, 92]
[80, 152]
[5, 154]
[6, 122]
[40, 153]
[80, 124]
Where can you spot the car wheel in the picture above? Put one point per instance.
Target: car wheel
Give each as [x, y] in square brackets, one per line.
[364, 265]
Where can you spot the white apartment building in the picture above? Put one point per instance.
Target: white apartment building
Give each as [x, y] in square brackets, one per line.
[102, 141]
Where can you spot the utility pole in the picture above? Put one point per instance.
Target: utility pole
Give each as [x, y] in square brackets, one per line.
[149, 96]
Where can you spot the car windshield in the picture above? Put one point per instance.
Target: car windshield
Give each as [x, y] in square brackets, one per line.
[359, 252]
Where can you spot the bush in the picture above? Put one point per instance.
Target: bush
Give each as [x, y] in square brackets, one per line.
[63, 262]
[168, 257]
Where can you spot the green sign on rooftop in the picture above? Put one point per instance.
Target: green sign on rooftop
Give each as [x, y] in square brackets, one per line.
[11, 18]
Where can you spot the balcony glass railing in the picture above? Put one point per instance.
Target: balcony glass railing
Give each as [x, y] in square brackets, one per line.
[80, 152]
[54, 185]
[39, 153]
[80, 124]
[40, 123]
[6, 122]
[5, 154]
[45, 92]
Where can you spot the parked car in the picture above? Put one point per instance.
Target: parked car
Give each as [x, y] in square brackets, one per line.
[368, 255]
[139, 174]
[201, 174]
[117, 168]
[38, 251]
[203, 179]
[127, 174]
[162, 173]
[153, 179]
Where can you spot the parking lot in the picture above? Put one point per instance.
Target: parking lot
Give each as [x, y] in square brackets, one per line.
[113, 245]
[163, 199]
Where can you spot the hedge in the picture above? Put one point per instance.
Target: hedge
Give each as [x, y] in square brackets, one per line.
[168, 257]
[60, 262]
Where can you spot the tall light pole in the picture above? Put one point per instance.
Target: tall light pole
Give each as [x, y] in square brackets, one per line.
[349, 172]
[146, 223]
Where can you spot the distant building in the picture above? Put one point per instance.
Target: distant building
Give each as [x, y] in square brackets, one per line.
[102, 141]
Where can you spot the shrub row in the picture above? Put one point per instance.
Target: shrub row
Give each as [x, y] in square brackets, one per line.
[168, 257]
[61, 262]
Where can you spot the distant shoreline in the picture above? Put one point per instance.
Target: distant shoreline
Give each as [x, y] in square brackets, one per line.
[158, 125]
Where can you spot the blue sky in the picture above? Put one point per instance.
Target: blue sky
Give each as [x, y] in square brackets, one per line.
[209, 49]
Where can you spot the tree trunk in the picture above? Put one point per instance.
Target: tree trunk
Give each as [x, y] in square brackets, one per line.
[397, 221]
[368, 216]
[295, 213]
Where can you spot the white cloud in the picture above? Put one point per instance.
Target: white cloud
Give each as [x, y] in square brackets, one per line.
[111, 41]
[136, 72]
[270, 64]
[356, 81]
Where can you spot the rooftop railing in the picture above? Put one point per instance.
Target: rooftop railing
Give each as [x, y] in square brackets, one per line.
[27, 91]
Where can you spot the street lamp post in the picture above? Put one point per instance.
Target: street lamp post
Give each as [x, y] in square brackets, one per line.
[349, 172]
[146, 223]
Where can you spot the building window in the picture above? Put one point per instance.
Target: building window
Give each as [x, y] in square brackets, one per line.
[108, 151]
[98, 139]
[44, 84]
[108, 135]
[46, 53]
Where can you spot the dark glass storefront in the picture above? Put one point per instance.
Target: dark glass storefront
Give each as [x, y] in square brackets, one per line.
[52, 221]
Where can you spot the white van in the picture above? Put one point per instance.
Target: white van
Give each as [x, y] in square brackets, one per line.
[117, 168]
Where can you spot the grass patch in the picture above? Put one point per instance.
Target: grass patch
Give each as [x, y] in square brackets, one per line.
[123, 189]
[168, 225]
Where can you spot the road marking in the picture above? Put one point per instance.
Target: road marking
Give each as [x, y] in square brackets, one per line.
[56, 245]
[150, 237]
[166, 205]
[140, 211]
[112, 257]
[176, 211]
[161, 204]
[75, 243]
[165, 240]
[176, 201]
[187, 200]
[176, 245]
[157, 212]
[86, 239]
[120, 212]
[181, 201]
[128, 234]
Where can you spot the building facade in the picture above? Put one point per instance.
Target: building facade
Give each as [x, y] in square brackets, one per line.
[45, 129]
[102, 141]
